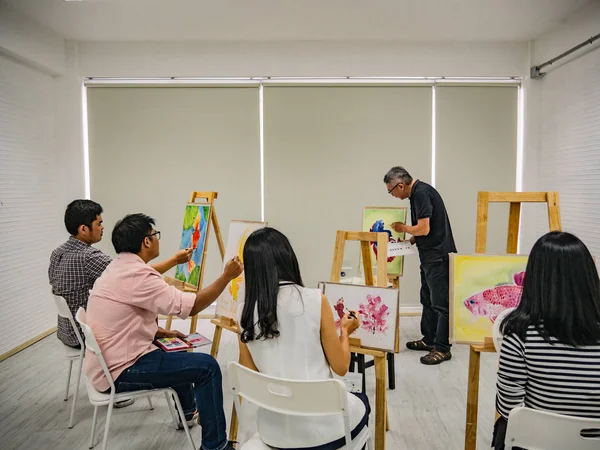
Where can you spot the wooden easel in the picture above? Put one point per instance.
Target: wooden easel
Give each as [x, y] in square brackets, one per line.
[483, 200]
[209, 199]
[379, 357]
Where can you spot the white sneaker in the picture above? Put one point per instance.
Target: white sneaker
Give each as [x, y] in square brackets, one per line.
[124, 403]
[190, 423]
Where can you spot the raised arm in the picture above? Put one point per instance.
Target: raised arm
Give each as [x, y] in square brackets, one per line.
[206, 296]
[337, 348]
[181, 257]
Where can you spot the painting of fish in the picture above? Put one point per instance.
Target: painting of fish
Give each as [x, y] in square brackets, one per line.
[481, 287]
[195, 229]
[379, 219]
[378, 309]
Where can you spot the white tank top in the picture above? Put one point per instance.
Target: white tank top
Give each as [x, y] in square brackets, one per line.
[297, 354]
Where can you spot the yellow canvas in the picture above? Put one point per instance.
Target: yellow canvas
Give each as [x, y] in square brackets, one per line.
[481, 287]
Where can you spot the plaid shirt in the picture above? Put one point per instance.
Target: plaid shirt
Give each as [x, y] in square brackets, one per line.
[74, 267]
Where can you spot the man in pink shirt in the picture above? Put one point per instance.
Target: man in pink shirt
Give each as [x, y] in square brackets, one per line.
[122, 312]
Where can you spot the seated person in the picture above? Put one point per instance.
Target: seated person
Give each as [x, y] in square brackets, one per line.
[550, 355]
[122, 312]
[288, 331]
[75, 265]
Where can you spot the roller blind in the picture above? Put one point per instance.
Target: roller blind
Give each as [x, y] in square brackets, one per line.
[476, 150]
[151, 146]
[327, 149]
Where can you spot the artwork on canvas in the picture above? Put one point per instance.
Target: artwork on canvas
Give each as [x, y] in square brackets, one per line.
[380, 219]
[481, 287]
[378, 308]
[193, 234]
[239, 231]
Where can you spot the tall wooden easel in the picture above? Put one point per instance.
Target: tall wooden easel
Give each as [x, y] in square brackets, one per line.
[514, 219]
[208, 198]
[365, 238]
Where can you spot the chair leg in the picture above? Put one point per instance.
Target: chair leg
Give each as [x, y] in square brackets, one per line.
[185, 425]
[76, 393]
[361, 369]
[68, 380]
[391, 371]
[150, 402]
[172, 409]
[107, 425]
[93, 427]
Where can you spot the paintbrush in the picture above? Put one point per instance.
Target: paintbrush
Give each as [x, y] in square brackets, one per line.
[350, 313]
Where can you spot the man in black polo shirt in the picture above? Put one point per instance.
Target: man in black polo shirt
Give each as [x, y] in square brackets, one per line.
[432, 233]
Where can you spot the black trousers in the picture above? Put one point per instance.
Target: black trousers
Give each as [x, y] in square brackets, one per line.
[434, 298]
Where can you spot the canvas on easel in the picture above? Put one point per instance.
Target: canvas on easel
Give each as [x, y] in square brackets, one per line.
[378, 219]
[239, 231]
[196, 221]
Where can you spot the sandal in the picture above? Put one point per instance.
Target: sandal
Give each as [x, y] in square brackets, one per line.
[435, 357]
[419, 345]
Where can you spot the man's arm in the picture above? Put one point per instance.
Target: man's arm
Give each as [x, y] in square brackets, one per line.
[181, 257]
[420, 229]
[206, 296]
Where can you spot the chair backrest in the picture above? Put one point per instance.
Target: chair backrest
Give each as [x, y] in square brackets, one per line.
[64, 311]
[92, 345]
[496, 333]
[539, 430]
[298, 398]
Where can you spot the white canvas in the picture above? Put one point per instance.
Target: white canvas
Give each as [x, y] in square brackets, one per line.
[378, 308]
[239, 231]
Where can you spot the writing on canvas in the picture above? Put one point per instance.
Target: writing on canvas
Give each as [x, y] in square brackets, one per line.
[379, 220]
[193, 234]
[239, 231]
[481, 287]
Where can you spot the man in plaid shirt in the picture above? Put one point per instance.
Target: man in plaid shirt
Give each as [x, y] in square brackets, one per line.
[76, 264]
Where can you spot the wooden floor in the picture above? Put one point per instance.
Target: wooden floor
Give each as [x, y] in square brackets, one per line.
[426, 410]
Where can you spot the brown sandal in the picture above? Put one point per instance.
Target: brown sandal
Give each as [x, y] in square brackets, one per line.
[419, 345]
[435, 357]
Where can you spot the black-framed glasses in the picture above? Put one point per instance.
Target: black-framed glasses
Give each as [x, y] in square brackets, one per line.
[156, 233]
[392, 189]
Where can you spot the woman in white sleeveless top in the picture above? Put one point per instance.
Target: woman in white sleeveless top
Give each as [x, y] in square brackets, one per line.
[288, 331]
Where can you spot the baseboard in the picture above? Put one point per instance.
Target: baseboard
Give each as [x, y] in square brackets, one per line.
[26, 344]
[407, 311]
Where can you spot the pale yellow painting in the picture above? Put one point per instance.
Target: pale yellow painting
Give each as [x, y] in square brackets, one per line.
[481, 287]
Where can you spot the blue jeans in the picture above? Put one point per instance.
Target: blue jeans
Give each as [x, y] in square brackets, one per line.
[196, 377]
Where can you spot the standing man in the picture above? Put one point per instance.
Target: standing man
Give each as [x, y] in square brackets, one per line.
[432, 233]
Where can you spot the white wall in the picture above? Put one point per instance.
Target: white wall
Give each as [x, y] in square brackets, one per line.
[573, 70]
[300, 58]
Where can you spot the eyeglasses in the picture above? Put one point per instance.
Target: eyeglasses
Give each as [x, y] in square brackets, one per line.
[392, 189]
[156, 233]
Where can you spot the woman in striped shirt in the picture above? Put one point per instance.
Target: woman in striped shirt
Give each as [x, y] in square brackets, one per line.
[550, 356]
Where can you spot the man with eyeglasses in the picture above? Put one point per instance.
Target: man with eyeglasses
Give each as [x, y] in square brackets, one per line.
[122, 312]
[432, 233]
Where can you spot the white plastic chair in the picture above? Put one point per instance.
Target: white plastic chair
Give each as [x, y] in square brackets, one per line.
[497, 335]
[539, 430]
[101, 399]
[72, 354]
[298, 398]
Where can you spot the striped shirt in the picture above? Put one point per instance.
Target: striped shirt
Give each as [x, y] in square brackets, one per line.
[548, 377]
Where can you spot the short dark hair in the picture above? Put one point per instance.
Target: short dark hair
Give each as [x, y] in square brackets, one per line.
[561, 293]
[81, 212]
[397, 173]
[268, 259]
[130, 231]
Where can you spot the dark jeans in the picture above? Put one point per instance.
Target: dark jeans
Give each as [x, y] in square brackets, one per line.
[341, 442]
[434, 298]
[196, 377]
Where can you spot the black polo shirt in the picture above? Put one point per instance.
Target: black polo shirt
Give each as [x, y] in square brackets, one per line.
[426, 202]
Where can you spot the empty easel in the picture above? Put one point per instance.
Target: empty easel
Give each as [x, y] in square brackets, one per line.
[514, 219]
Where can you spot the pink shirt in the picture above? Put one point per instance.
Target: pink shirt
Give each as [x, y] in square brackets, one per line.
[122, 311]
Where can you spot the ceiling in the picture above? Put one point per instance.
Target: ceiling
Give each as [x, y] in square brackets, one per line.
[406, 20]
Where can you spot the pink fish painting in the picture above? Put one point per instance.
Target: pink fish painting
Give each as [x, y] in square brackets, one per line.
[339, 309]
[491, 302]
[373, 315]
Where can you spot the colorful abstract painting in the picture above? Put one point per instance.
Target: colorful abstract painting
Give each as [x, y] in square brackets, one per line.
[380, 219]
[481, 287]
[195, 229]
[239, 231]
[378, 308]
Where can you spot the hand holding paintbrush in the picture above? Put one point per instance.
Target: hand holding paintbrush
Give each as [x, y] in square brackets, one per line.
[351, 321]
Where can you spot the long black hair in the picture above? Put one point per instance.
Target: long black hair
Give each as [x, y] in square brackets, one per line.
[268, 259]
[561, 293]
